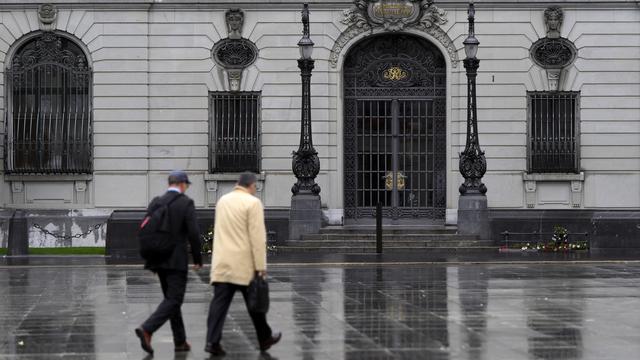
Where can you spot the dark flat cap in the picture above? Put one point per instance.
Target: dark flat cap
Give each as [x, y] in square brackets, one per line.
[178, 176]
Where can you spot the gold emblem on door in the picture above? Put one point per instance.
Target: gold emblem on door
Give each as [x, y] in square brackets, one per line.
[395, 73]
[400, 181]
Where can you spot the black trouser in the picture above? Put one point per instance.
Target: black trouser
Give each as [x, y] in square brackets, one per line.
[222, 296]
[174, 284]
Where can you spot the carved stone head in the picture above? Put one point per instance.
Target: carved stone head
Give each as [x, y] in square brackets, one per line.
[553, 17]
[235, 21]
[47, 13]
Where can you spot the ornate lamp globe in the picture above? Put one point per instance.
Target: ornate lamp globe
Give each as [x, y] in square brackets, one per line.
[471, 45]
[306, 47]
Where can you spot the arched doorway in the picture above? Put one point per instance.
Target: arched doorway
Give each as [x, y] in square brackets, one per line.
[395, 130]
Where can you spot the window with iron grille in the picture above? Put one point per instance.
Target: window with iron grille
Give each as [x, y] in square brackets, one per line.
[554, 120]
[49, 108]
[234, 132]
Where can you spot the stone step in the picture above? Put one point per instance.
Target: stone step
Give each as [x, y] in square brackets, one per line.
[388, 237]
[396, 243]
[388, 230]
[387, 249]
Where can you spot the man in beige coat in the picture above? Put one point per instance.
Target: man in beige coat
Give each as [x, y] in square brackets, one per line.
[239, 254]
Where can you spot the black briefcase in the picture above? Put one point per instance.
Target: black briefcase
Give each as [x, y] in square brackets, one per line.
[258, 295]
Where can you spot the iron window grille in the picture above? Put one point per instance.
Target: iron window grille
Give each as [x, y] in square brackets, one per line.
[234, 132]
[553, 138]
[49, 114]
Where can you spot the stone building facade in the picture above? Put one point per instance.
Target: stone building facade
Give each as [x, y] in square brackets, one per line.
[166, 82]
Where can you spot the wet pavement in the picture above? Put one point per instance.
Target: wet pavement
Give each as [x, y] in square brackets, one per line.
[525, 310]
[306, 258]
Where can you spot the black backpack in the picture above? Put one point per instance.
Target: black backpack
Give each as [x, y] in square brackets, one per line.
[154, 234]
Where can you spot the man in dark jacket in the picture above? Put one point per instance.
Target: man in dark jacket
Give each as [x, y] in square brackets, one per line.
[173, 271]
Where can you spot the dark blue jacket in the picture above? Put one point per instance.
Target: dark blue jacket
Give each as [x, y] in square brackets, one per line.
[184, 229]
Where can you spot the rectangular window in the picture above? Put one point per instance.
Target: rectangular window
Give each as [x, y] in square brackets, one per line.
[553, 132]
[234, 132]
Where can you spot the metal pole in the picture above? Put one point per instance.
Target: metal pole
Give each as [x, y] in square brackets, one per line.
[379, 228]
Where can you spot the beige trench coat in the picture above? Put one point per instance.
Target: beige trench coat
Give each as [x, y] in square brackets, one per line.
[240, 238]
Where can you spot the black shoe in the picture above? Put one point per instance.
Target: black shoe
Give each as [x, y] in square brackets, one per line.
[145, 340]
[215, 349]
[267, 344]
[184, 347]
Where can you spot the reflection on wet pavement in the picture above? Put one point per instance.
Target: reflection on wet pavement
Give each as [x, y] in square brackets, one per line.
[516, 311]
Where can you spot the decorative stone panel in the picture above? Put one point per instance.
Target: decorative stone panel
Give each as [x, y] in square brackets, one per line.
[530, 193]
[553, 190]
[216, 185]
[50, 191]
[553, 52]
[234, 53]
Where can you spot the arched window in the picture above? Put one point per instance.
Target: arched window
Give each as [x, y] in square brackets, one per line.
[49, 108]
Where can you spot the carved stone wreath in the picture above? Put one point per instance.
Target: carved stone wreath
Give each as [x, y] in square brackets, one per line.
[361, 19]
[553, 53]
[235, 53]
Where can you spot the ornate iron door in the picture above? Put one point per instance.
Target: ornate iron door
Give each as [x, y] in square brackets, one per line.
[395, 130]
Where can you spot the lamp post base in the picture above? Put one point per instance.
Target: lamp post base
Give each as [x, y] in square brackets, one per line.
[473, 216]
[305, 216]
[18, 243]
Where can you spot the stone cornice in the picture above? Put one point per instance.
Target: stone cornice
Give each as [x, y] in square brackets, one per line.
[295, 4]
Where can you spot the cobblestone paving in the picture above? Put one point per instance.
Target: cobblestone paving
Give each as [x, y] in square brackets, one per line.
[516, 311]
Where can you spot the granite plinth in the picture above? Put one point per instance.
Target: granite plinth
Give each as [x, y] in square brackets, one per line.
[305, 215]
[473, 216]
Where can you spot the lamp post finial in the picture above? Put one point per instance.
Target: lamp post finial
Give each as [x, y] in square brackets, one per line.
[305, 19]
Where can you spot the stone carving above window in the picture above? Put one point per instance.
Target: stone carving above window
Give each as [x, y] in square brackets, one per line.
[234, 53]
[47, 14]
[553, 17]
[553, 52]
[235, 21]
[393, 15]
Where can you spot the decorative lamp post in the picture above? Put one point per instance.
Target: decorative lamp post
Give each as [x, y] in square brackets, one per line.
[473, 216]
[305, 215]
[306, 164]
[473, 164]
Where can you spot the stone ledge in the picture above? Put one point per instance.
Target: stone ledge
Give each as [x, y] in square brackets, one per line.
[230, 177]
[46, 177]
[553, 177]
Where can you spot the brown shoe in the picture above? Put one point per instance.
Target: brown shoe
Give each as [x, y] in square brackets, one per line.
[267, 344]
[184, 347]
[215, 350]
[145, 340]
